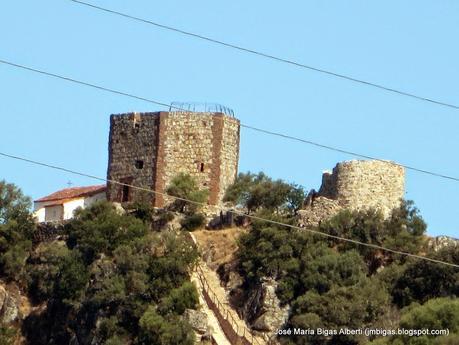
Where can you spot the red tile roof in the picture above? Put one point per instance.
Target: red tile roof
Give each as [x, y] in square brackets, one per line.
[74, 192]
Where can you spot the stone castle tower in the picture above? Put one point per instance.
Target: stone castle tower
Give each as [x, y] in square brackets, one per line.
[356, 185]
[149, 149]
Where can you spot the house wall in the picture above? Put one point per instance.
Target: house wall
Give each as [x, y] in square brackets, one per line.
[39, 212]
[71, 206]
[88, 201]
[54, 213]
[47, 211]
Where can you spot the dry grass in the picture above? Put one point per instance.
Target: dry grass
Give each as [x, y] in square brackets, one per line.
[218, 246]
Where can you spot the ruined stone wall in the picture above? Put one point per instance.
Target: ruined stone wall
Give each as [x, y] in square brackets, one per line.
[361, 185]
[357, 185]
[203, 145]
[132, 154]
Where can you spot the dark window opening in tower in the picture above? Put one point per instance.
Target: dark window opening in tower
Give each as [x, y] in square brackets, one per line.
[125, 194]
[139, 164]
[201, 167]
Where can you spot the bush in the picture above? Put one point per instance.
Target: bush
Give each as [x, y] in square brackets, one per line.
[143, 211]
[155, 329]
[422, 280]
[436, 314]
[14, 205]
[7, 335]
[193, 222]
[257, 191]
[43, 268]
[100, 229]
[184, 186]
[72, 278]
[184, 297]
[403, 231]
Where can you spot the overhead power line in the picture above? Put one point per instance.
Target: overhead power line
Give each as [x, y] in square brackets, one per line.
[261, 130]
[269, 56]
[219, 208]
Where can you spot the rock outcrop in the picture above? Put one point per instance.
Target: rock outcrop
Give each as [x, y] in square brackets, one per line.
[9, 306]
[265, 309]
[440, 242]
[197, 320]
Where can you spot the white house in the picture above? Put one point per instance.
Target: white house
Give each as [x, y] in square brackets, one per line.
[61, 204]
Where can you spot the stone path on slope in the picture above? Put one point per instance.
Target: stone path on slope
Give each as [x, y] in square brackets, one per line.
[216, 331]
[214, 282]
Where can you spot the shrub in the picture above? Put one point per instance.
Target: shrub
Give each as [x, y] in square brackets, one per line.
[403, 231]
[155, 329]
[184, 186]
[435, 314]
[257, 191]
[14, 205]
[193, 222]
[7, 335]
[101, 229]
[43, 268]
[184, 297]
[422, 280]
[72, 278]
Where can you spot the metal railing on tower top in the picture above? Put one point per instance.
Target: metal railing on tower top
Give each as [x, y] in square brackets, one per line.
[200, 107]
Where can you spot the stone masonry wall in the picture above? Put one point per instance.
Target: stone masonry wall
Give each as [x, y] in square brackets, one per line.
[229, 154]
[188, 148]
[367, 184]
[132, 154]
[357, 185]
[204, 145]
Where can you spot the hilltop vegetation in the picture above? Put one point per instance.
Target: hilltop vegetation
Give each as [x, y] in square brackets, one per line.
[114, 280]
[332, 284]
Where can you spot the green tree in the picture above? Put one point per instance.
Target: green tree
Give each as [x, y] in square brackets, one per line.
[422, 280]
[42, 269]
[170, 268]
[155, 329]
[403, 231]
[435, 314]
[184, 186]
[72, 278]
[16, 229]
[13, 203]
[100, 229]
[354, 307]
[179, 299]
[257, 191]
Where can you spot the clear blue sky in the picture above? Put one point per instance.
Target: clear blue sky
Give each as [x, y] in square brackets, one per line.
[410, 45]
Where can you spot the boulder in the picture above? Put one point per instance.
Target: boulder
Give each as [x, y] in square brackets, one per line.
[9, 306]
[119, 208]
[264, 308]
[320, 210]
[197, 320]
[440, 242]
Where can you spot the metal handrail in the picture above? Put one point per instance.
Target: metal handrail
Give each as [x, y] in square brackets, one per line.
[224, 312]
